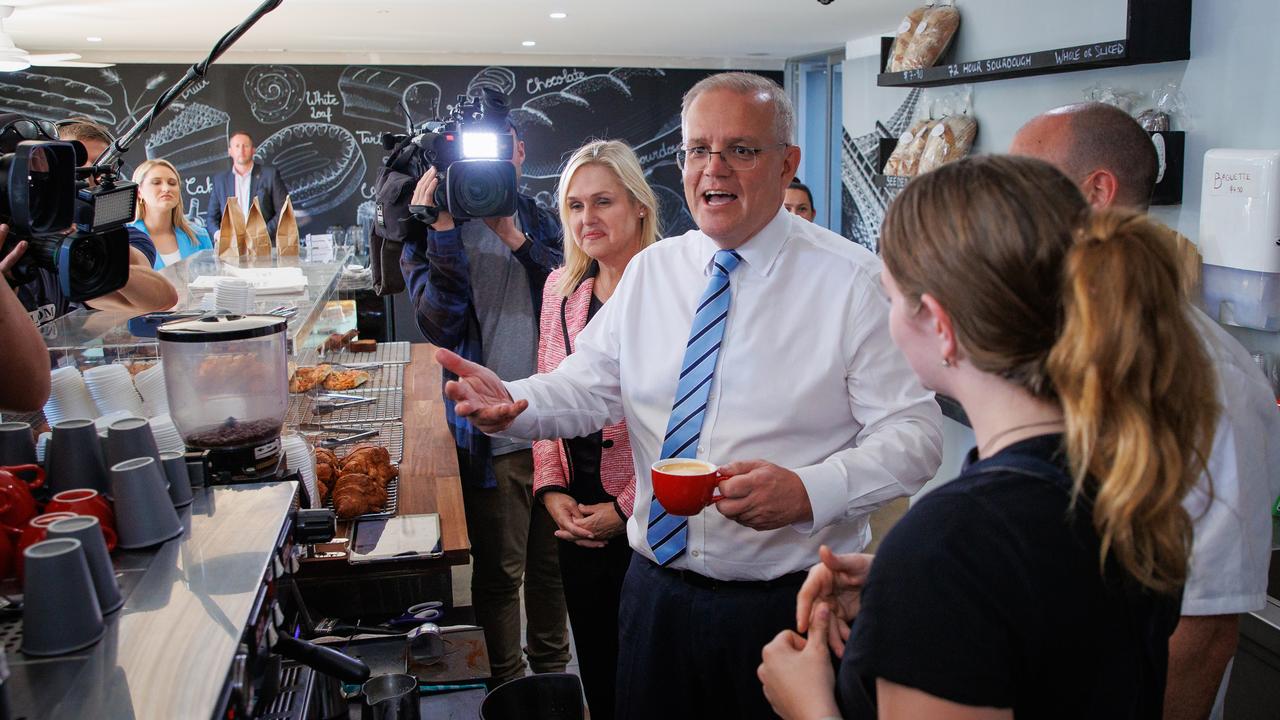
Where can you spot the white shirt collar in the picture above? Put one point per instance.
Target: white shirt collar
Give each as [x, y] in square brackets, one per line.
[761, 250]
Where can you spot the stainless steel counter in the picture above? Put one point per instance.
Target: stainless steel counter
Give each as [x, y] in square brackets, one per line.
[166, 653]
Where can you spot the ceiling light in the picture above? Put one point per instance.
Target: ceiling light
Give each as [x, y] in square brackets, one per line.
[528, 43]
[94, 38]
[559, 16]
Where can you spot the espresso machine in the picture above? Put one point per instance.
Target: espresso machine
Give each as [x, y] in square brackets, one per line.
[227, 382]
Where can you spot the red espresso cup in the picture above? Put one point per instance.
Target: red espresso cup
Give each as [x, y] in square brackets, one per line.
[86, 501]
[685, 486]
[23, 505]
[34, 531]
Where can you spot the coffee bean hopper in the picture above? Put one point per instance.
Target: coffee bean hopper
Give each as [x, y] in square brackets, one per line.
[227, 382]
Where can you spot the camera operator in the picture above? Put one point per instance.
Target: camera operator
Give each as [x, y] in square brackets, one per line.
[477, 287]
[145, 291]
[25, 361]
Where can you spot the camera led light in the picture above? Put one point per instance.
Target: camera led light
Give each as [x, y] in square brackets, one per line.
[479, 145]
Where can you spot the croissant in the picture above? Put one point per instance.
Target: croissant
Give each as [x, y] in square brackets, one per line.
[325, 455]
[375, 454]
[357, 494]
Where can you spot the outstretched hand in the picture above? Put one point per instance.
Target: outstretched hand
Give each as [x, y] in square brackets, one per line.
[478, 394]
[835, 582]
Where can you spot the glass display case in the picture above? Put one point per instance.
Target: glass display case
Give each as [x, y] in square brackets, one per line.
[87, 337]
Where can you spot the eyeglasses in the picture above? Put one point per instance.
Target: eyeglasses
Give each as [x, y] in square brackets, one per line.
[738, 157]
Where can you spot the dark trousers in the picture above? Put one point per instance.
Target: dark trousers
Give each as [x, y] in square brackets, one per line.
[513, 543]
[592, 590]
[689, 647]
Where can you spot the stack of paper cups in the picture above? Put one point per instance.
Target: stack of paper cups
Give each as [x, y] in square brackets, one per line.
[69, 398]
[111, 387]
[150, 385]
[166, 434]
[299, 455]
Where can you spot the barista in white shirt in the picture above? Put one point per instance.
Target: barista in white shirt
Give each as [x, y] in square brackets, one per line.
[1114, 162]
[800, 395]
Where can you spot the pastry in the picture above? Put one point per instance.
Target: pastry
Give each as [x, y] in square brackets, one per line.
[307, 378]
[325, 455]
[357, 494]
[339, 341]
[339, 380]
[363, 346]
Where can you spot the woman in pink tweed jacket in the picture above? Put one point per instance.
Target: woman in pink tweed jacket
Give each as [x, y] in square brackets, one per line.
[587, 484]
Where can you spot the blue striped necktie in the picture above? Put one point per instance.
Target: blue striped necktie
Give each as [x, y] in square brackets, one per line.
[668, 534]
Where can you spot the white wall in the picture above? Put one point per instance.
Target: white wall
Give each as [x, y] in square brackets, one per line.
[1231, 82]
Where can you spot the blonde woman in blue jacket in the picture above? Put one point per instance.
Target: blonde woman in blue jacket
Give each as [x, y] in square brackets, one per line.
[159, 213]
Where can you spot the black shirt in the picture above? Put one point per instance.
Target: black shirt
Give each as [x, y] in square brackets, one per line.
[989, 593]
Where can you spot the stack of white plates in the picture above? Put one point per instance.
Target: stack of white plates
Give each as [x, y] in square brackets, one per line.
[112, 389]
[150, 385]
[233, 295]
[69, 398]
[166, 434]
[299, 455]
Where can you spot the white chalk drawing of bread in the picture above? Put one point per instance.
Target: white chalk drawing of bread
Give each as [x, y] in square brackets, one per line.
[52, 98]
[274, 92]
[494, 78]
[372, 93]
[321, 164]
[423, 101]
[193, 139]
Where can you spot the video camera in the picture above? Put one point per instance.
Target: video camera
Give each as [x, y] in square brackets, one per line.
[471, 150]
[74, 230]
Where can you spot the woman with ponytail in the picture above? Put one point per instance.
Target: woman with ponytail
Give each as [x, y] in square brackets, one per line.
[1044, 581]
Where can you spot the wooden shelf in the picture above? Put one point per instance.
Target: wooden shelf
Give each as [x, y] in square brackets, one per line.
[1158, 31]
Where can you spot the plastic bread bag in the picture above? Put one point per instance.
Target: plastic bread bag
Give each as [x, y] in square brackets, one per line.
[903, 39]
[1170, 109]
[950, 139]
[906, 156]
[1115, 97]
[932, 37]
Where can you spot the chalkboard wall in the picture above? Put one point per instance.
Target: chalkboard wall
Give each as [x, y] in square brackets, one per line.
[320, 125]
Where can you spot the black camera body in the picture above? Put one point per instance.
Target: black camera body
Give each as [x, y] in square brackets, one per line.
[73, 230]
[471, 150]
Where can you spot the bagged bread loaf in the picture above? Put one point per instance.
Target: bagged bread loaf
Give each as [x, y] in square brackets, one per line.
[906, 156]
[231, 235]
[932, 38]
[903, 39]
[257, 239]
[287, 230]
[950, 139]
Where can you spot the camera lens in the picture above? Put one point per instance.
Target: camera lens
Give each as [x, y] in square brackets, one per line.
[43, 200]
[484, 188]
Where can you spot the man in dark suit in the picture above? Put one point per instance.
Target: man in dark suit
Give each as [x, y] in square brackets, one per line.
[245, 181]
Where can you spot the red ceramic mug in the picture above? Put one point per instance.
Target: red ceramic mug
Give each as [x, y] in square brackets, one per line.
[685, 486]
[36, 530]
[22, 506]
[85, 501]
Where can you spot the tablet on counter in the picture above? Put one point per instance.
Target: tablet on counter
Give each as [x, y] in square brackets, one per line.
[397, 538]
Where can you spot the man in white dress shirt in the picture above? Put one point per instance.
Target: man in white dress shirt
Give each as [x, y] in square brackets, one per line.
[799, 395]
[1110, 156]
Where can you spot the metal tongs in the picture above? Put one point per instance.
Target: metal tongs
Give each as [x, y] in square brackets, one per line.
[327, 404]
[349, 434]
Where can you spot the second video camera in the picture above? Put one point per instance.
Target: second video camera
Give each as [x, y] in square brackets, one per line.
[471, 150]
[73, 230]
